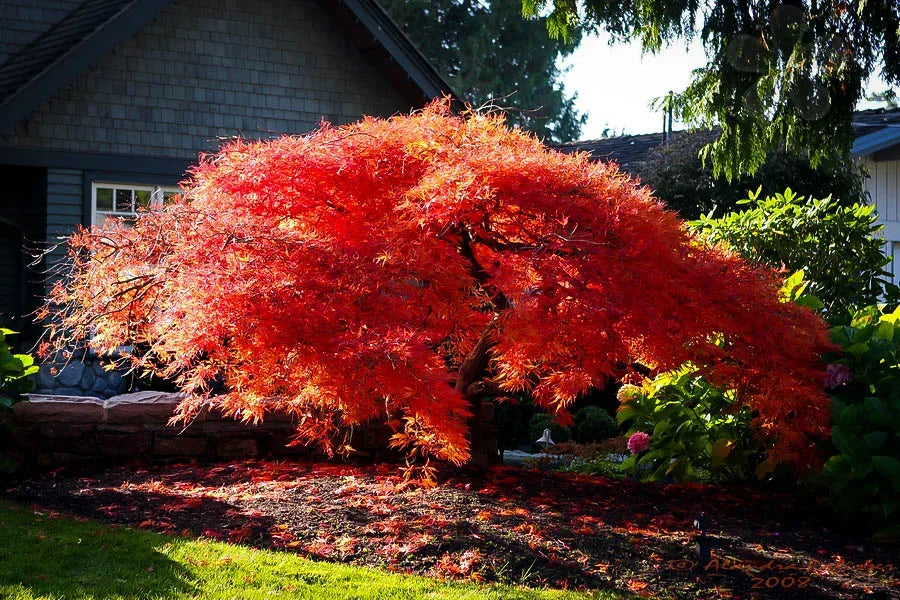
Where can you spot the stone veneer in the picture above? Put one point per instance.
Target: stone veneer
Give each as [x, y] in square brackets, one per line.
[56, 430]
[85, 377]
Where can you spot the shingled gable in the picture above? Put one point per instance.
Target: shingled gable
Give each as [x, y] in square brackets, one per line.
[93, 29]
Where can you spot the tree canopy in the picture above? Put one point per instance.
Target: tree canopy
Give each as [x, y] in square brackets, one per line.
[401, 270]
[678, 177]
[778, 73]
[489, 54]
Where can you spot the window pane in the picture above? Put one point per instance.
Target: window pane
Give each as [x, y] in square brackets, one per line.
[141, 199]
[169, 197]
[123, 201]
[104, 199]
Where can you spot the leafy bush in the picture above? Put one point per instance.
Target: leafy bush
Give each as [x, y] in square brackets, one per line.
[593, 424]
[864, 475]
[14, 372]
[693, 427]
[541, 421]
[678, 177]
[512, 419]
[835, 245]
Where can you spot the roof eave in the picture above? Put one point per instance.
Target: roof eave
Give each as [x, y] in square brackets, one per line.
[400, 48]
[873, 142]
[79, 57]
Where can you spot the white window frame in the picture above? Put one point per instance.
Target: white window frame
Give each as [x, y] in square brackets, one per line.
[157, 196]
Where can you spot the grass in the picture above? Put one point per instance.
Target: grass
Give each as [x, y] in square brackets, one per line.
[49, 557]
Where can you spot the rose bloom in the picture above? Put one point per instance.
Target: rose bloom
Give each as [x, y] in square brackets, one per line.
[638, 442]
[837, 375]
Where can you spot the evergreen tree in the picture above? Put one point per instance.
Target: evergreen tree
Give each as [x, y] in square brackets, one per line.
[779, 74]
[491, 55]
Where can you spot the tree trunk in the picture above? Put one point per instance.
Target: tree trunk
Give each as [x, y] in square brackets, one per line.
[471, 382]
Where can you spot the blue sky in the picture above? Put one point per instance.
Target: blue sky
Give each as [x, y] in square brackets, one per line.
[615, 84]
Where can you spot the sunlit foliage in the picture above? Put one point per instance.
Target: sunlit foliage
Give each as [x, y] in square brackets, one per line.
[401, 269]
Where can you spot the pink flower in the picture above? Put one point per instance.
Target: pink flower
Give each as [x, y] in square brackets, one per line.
[638, 442]
[837, 375]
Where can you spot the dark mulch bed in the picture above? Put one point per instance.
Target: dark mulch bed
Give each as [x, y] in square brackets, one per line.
[510, 525]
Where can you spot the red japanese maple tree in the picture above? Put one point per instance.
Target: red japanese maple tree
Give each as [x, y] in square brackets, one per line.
[402, 269]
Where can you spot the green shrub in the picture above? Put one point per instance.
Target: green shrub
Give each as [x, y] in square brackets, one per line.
[593, 424]
[541, 421]
[864, 475]
[14, 372]
[677, 176]
[696, 431]
[512, 419]
[836, 246]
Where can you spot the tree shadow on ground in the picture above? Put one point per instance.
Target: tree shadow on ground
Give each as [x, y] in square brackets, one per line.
[70, 559]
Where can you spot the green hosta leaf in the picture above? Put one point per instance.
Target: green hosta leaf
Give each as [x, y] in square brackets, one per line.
[857, 349]
[720, 451]
[885, 331]
[840, 336]
[810, 301]
[889, 467]
[851, 419]
[26, 359]
[836, 467]
[630, 463]
[877, 412]
[625, 413]
[875, 439]
[887, 534]
[661, 427]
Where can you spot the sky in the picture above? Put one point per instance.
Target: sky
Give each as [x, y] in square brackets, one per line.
[615, 84]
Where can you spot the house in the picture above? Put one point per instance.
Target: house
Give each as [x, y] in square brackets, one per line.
[105, 103]
[877, 147]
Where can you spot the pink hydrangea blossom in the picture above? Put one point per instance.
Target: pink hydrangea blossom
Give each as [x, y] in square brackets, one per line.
[638, 442]
[837, 375]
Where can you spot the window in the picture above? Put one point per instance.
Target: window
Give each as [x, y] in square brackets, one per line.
[123, 200]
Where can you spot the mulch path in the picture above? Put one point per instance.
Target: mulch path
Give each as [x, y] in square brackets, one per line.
[509, 525]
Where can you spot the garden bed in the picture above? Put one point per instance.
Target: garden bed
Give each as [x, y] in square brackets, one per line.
[512, 525]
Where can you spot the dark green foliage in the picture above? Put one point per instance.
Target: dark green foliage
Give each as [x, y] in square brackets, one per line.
[678, 177]
[864, 475]
[490, 54]
[777, 74]
[834, 245]
[541, 421]
[694, 429]
[593, 424]
[14, 372]
[512, 419]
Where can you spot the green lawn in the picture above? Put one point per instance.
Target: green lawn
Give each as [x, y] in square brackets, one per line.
[64, 559]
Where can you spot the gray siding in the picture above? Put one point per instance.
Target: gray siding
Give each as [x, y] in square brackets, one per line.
[65, 205]
[24, 20]
[883, 187]
[212, 69]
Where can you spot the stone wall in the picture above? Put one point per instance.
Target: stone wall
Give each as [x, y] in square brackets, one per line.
[56, 430]
[51, 431]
